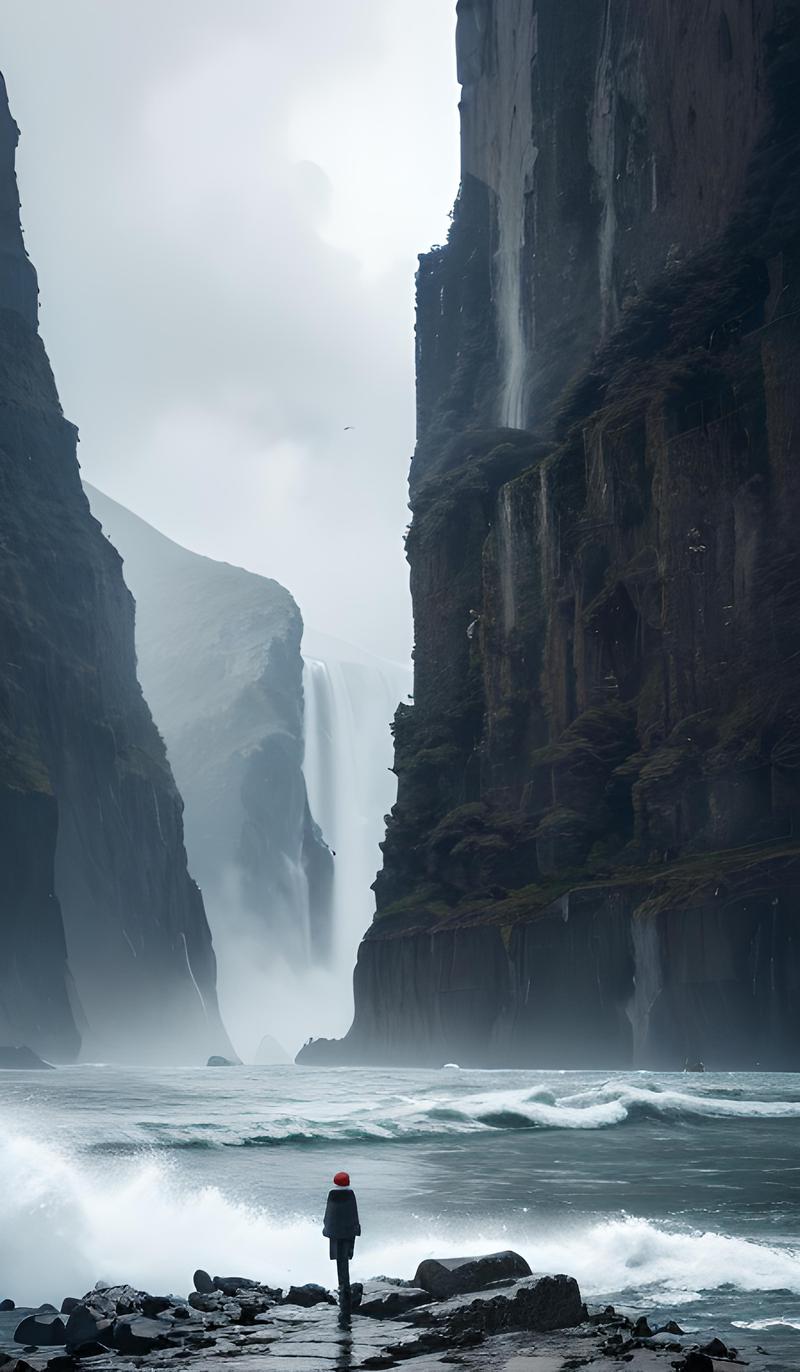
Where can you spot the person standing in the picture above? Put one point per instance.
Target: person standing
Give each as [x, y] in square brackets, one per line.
[342, 1227]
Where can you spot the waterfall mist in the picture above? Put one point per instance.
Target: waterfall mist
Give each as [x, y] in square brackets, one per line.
[350, 700]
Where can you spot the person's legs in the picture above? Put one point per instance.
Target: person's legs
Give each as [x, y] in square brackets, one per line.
[344, 1253]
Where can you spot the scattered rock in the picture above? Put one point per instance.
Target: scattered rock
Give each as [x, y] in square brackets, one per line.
[671, 1327]
[44, 1329]
[203, 1282]
[308, 1295]
[446, 1277]
[642, 1329]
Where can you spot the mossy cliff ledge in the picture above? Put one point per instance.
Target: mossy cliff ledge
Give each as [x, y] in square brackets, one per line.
[103, 935]
[595, 854]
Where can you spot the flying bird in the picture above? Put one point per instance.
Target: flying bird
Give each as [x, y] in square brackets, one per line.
[349, 426]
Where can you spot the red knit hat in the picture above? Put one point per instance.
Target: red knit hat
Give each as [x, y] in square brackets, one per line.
[342, 1179]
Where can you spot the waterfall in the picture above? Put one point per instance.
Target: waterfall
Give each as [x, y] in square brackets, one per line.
[515, 158]
[350, 700]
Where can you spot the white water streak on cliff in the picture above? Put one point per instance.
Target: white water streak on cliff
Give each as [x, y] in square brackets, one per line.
[602, 152]
[515, 158]
[505, 557]
[349, 705]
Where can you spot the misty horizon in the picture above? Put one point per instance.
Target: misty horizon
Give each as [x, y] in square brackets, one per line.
[226, 251]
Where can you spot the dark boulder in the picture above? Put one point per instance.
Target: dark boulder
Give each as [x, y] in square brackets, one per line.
[7, 1305]
[135, 1334]
[92, 1349]
[540, 1304]
[715, 1348]
[230, 1286]
[44, 1329]
[696, 1362]
[446, 1277]
[69, 1304]
[203, 1282]
[308, 1295]
[62, 1362]
[216, 1061]
[18, 1058]
[155, 1305]
[88, 1325]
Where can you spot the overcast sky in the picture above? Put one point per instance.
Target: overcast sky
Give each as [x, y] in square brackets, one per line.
[224, 200]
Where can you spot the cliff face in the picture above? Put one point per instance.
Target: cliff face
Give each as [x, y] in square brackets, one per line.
[93, 864]
[219, 661]
[594, 853]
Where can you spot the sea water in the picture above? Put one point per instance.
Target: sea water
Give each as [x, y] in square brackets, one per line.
[673, 1194]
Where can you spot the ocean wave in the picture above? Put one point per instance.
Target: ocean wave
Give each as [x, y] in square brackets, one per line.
[442, 1114]
[64, 1227]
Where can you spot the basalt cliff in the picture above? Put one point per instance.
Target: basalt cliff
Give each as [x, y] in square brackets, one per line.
[103, 935]
[594, 859]
[219, 660]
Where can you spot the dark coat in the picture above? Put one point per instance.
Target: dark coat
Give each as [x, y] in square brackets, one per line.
[341, 1215]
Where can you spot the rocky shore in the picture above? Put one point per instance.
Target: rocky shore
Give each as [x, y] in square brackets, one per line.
[474, 1313]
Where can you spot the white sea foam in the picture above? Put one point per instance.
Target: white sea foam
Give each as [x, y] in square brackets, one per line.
[65, 1227]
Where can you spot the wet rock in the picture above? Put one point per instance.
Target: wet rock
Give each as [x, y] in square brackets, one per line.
[91, 1349]
[203, 1282]
[446, 1277]
[88, 1325]
[135, 1334]
[695, 1362]
[42, 1330]
[715, 1348]
[308, 1295]
[671, 1327]
[7, 1305]
[642, 1329]
[540, 1304]
[69, 1304]
[385, 1301]
[62, 1362]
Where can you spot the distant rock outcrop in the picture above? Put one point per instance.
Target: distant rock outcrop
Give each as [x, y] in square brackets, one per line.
[100, 924]
[219, 660]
